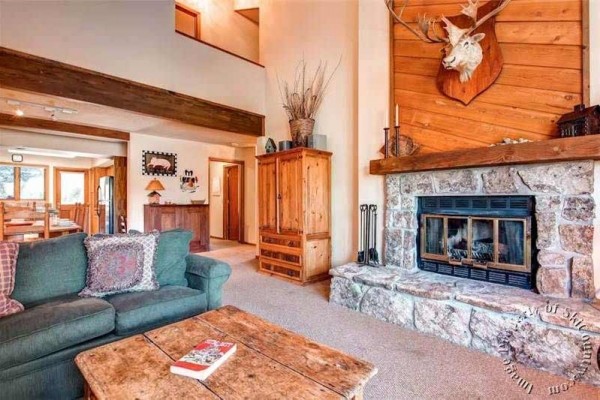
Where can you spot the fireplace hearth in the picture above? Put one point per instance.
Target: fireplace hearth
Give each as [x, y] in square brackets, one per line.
[485, 238]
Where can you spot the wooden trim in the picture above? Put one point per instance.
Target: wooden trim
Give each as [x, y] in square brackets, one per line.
[242, 184]
[17, 183]
[61, 126]
[27, 72]
[585, 50]
[294, 151]
[554, 150]
[221, 49]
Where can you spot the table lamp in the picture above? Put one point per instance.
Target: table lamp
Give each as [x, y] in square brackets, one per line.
[155, 186]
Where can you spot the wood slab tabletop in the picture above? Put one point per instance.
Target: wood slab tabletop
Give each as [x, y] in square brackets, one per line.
[270, 363]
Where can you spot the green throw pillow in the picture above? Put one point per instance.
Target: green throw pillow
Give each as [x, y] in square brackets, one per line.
[50, 268]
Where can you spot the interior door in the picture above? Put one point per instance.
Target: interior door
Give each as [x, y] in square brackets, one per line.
[267, 195]
[71, 187]
[232, 202]
[289, 172]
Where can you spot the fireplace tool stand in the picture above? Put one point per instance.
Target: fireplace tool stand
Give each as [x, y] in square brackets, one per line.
[367, 253]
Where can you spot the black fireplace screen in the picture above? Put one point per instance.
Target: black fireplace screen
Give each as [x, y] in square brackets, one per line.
[458, 234]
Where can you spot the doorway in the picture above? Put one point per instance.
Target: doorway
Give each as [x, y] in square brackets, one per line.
[226, 199]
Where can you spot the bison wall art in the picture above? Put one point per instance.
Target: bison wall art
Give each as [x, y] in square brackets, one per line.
[157, 163]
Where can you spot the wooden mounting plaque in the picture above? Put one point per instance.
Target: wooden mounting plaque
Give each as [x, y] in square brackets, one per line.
[554, 150]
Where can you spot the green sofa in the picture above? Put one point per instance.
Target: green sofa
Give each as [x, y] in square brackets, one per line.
[38, 345]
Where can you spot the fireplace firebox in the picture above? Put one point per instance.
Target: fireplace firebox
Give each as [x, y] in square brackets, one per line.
[486, 238]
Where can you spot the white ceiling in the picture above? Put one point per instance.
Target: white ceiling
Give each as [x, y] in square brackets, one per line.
[113, 118]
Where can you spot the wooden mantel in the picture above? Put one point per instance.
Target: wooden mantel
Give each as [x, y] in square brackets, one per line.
[554, 150]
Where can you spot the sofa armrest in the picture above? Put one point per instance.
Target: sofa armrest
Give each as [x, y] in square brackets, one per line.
[207, 275]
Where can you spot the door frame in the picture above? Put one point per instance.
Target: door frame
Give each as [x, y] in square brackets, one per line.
[241, 166]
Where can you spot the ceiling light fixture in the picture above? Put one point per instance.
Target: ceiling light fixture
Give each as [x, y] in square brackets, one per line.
[54, 110]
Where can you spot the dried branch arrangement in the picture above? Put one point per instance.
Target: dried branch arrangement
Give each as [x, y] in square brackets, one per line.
[301, 100]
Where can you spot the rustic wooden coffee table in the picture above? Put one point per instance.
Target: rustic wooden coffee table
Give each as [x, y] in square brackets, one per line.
[270, 363]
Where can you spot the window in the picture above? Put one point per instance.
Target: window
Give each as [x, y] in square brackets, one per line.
[72, 187]
[187, 21]
[23, 182]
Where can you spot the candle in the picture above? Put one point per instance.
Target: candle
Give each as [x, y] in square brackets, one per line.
[387, 120]
[397, 120]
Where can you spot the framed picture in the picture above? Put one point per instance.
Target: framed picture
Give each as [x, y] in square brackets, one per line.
[158, 163]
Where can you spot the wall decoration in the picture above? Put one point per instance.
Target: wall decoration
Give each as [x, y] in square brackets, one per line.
[472, 56]
[188, 182]
[158, 163]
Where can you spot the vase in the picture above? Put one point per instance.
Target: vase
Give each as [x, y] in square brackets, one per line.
[300, 129]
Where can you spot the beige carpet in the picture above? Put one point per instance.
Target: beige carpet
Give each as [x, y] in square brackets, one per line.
[411, 365]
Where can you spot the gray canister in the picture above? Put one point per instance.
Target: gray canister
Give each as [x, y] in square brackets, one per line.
[285, 145]
[318, 142]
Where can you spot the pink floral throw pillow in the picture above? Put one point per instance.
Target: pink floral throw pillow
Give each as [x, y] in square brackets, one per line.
[8, 263]
[120, 263]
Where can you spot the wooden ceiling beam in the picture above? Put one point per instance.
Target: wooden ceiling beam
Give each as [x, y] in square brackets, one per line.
[61, 126]
[22, 71]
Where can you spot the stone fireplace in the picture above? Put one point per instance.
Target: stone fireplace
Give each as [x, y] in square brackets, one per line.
[564, 214]
[442, 286]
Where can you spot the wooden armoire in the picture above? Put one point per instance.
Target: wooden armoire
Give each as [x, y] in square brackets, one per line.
[294, 214]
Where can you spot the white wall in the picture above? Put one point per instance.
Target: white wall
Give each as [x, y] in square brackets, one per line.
[319, 30]
[246, 4]
[223, 27]
[190, 155]
[134, 40]
[373, 101]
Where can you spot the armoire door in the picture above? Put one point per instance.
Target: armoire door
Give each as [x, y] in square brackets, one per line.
[289, 173]
[267, 194]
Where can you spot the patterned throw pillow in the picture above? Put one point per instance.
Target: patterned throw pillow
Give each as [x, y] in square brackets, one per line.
[8, 263]
[120, 263]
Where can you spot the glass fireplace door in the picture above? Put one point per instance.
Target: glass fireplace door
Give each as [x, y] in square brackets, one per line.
[480, 242]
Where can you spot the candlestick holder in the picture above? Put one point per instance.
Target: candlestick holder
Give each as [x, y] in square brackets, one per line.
[386, 132]
[397, 144]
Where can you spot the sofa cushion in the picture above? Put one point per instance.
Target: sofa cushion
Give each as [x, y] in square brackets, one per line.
[50, 268]
[8, 263]
[52, 326]
[170, 264]
[142, 311]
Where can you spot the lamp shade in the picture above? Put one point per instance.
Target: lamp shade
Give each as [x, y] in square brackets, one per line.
[155, 185]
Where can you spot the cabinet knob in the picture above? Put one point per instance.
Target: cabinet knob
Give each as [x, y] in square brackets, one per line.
[279, 196]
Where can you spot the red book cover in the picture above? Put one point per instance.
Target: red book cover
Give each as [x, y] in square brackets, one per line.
[203, 359]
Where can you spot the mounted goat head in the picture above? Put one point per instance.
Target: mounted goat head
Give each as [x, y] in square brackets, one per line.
[463, 52]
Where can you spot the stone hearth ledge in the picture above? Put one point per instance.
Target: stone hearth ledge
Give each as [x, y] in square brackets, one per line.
[475, 314]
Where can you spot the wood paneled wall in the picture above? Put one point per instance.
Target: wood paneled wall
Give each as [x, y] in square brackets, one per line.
[542, 43]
